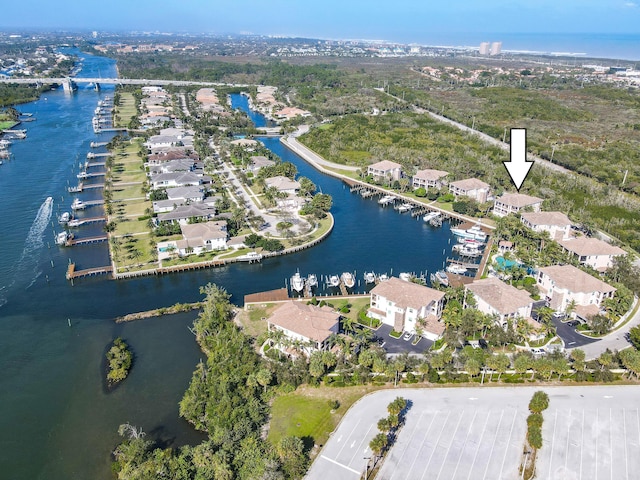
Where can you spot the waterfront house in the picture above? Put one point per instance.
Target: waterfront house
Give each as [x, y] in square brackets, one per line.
[257, 162]
[188, 213]
[564, 284]
[385, 170]
[288, 113]
[164, 206]
[494, 297]
[283, 184]
[178, 165]
[160, 141]
[429, 179]
[305, 328]
[595, 253]
[196, 238]
[514, 203]
[190, 194]
[407, 306]
[175, 153]
[471, 187]
[246, 143]
[178, 179]
[556, 223]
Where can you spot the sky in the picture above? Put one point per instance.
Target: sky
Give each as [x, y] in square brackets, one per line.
[407, 21]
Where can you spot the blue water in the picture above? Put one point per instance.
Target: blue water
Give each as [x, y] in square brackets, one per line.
[259, 120]
[58, 422]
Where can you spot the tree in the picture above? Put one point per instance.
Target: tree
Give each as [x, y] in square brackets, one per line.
[539, 402]
[384, 425]
[316, 365]
[307, 187]
[292, 455]
[472, 367]
[502, 364]
[378, 443]
[396, 406]
[521, 364]
[263, 377]
[634, 337]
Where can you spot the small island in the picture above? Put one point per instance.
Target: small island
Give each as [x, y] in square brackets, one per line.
[120, 359]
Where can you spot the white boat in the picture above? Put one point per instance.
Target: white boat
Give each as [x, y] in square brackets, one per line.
[76, 189]
[474, 233]
[250, 257]
[383, 277]
[440, 277]
[64, 218]
[312, 280]
[297, 282]
[334, 281]
[4, 144]
[457, 269]
[386, 199]
[369, 277]
[405, 276]
[467, 249]
[348, 279]
[62, 238]
[82, 175]
[78, 205]
[405, 207]
[74, 223]
[430, 216]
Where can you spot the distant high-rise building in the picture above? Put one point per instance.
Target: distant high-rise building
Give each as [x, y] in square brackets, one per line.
[496, 48]
[484, 48]
[94, 34]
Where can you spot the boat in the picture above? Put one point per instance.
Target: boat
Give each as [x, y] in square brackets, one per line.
[75, 223]
[63, 237]
[64, 218]
[4, 144]
[369, 277]
[76, 189]
[383, 277]
[250, 257]
[457, 269]
[82, 175]
[473, 233]
[405, 207]
[348, 279]
[297, 282]
[467, 249]
[312, 280]
[78, 205]
[436, 222]
[334, 281]
[386, 199]
[430, 216]
[440, 277]
[405, 276]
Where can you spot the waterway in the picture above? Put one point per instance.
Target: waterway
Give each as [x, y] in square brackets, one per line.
[58, 421]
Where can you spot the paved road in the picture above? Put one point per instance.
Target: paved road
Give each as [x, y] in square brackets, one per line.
[310, 155]
[570, 337]
[399, 345]
[478, 433]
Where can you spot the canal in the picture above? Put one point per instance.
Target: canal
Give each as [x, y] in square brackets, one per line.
[58, 420]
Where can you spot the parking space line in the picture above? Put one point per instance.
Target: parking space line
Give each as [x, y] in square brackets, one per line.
[581, 444]
[553, 439]
[626, 456]
[566, 448]
[426, 434]
[610, 443]
[341, 465]
[464, 444]
[444, 460]
[348, 437]
[506, 449]
[415, 428]
[479, 443]
[597, 436]
[426, 469]
[360, 444]
[493, 446]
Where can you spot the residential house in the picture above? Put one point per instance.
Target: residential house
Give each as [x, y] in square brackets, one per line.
[283, 184]
[188, 213]
[494, 297]
[385, 170]
[556, 223]
[197, 238]
[190, 194]
[177, 165]
[402, 304]
[257, 162]
[247, 143]
[472, 188]
[288, 113]
[564, 284]
[429, 179]
[178, 179]
[595, 253]
[514, 203]
[307, 325]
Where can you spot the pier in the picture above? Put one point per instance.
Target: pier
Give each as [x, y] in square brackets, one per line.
[98, 155]
[91, 175]
[86, 241]
[98, 144]
[81, 221]
[72, 273]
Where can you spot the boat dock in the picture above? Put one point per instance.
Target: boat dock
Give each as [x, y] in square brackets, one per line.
[94, 164]
[98, 144]
[72, 273]
[86, 241]
[91, 175]
[98, 155]
[82, 221]
[467, 265]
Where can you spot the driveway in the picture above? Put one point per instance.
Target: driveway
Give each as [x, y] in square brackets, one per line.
[571, 338]
[398, 345]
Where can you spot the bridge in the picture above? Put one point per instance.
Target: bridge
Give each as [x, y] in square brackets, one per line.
[68, 83]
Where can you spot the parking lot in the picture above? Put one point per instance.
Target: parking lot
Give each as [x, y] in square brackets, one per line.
[399, 345]
[479, 433]
[571, 338]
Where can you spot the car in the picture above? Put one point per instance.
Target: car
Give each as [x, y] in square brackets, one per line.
[407, 336]
[558, 315]
[573, 323]
[538, 351]
[483, 344]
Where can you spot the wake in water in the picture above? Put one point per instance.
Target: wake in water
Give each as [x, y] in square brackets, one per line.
[28, 261]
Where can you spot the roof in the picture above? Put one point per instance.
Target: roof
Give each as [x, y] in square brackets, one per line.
[282, 183]
[546, 218]
[407, 294]
[518, 200]
[385, 165]
[309, 321]
[575, 280]
[190, 191]
[260, 161]
[430, 175]
[188, 211]
[244, 142]
[470, 184]
[206, 230]
[431, 324]
[589, 246]
[502, 297]
[178, 177]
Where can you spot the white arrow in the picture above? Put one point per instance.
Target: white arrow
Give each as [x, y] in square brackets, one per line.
[518, 167]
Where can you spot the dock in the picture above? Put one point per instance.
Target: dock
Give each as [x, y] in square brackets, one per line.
[98, 144]
[98, 155]
[87, 240]
[84, 175]
[467, 265]
[72, 273]
[82, 221]
[94, 164]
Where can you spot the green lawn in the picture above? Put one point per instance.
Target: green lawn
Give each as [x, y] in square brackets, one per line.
[304, 417]
[127, 177]
[126, 191]
[131, 225]
[131, 207]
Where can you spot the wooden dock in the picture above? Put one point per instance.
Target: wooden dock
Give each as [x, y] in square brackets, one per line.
[82, 221]
[72, 273]
[98, 155]
[99, 144]
[86, 241]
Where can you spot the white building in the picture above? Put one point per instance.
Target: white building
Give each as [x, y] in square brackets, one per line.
[494, 297]
[283, 184]
[308, 325]
[595, 253]
[472, 188]
[385, 170]
[429, 179]
[485, 48]
[496, 48]
[514, 203]
[562, 284]
[556, 223]
[197, 238]
[401, 304]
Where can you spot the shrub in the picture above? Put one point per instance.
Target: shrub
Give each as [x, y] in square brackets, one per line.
[534, 435]
[535, 420]
[539, 402]
[334, 404]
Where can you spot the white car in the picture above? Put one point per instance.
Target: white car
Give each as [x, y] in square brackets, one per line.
[407, 336]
